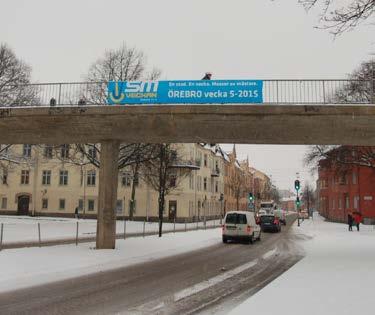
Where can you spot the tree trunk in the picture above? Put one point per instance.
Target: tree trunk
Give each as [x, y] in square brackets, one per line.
[161, 207]
[132, 198]
[162, 174]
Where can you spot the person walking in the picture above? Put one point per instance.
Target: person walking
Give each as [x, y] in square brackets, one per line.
[357, 219]
[76, 213]
[350, 221]
[207, 76]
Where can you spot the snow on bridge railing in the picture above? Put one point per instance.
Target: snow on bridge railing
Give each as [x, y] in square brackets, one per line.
[273, 92]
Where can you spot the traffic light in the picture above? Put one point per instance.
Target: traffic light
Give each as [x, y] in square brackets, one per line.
[251, 197]
[297, 185]
[298, 202]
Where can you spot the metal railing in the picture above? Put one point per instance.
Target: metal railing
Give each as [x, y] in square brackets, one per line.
[274, 92]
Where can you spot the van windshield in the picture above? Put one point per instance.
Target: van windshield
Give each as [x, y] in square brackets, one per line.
[236, 218]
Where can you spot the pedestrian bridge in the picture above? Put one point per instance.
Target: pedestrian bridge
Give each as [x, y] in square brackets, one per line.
[292, 112]
[256, 124]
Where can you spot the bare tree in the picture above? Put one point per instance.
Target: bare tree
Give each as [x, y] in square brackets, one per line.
[360, 87]
[122, 64]
[164, 174]
[339, 17]
[15, 77]
[308, 197]
[340, 157]
[237, 184]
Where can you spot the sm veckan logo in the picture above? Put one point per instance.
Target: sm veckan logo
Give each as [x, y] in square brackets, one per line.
[120, 92]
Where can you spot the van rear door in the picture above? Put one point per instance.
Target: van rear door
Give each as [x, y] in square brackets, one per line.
[242, 224]
[231, 224]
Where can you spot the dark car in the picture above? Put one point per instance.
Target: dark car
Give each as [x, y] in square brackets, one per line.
[269, 222]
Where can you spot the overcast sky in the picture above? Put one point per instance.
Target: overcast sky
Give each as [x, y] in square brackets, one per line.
[239, 39]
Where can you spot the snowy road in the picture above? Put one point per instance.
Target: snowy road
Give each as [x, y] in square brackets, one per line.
[213, 279]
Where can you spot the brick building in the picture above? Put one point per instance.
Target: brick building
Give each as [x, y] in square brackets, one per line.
[344, 188]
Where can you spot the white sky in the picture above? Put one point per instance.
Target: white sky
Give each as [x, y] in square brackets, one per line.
[240, 39]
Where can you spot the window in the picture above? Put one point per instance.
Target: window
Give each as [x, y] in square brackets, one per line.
[44, 203]
[80, 204]
[63, 178]
[48, 152]
[126, 179]
[25, 175]
[356, 202]
[92, 151]
[27, 150]
[216, 187]
[119, 206]
[46, 178]
[340, 203]
[5, 177]
[136, 180]
[333, 204]
[4, 202]
[62, 204]
[173, 180]
[91, 178]
[64, 152]
[347, 201]
[191, 180]
[354, 178]
[205, 160]
[342, 179]
[91, 205]
[205, 183]
[323, 183]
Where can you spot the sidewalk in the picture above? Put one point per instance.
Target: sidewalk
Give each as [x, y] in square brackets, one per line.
[337, 275]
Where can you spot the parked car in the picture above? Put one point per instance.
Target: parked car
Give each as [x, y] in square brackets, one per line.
[281, 214]
[303, 214]
[240, 226]
[270, 222]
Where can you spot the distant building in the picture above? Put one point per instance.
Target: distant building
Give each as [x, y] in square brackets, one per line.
[344, 188]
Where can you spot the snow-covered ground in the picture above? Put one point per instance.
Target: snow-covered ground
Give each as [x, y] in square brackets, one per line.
[25, 229]
[26, 267]
[337, 276]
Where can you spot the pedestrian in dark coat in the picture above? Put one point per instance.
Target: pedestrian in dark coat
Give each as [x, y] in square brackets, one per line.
[350, 221]
[207, 76]
[76, 213]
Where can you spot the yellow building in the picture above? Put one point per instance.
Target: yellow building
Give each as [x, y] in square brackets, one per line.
[42, 184]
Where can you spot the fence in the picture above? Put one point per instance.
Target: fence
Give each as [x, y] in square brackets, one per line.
[274, 92]
[23, 234]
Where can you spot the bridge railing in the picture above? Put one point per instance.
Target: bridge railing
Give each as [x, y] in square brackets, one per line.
[297, 92]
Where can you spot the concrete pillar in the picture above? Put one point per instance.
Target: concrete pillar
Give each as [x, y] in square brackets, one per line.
[108, 179]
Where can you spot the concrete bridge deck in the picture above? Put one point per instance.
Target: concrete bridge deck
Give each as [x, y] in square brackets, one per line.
[256, 124]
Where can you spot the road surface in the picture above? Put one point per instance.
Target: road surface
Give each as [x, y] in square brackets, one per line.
[211, 280]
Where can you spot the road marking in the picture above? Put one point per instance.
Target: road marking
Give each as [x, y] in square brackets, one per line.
[269, 254]
[212, 281]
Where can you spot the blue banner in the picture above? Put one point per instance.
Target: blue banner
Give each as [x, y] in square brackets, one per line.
[185, 92]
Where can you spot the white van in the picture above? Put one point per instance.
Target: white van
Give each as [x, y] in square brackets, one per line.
[240, 225]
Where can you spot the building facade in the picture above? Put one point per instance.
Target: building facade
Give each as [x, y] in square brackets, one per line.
[342, 190]
[42, 184]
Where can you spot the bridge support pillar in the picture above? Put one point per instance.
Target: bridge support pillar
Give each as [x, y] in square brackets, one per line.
[108, 180]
